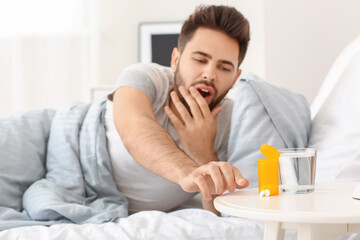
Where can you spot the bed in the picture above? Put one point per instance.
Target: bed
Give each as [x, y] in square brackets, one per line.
[335, 134]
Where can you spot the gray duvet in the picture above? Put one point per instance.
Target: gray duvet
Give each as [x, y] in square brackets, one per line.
[65, 151]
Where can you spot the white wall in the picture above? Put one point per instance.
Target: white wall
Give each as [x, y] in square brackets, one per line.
[119, 22]
[42, 72]
[293, 44]
[303, 38]
[43, 54]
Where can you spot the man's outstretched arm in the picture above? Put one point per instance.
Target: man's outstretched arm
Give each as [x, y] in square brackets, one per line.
[153, 147]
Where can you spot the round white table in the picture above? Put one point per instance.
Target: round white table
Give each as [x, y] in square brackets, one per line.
[327, 212]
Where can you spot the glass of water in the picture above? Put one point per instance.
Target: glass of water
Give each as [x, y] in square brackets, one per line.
[297, 168]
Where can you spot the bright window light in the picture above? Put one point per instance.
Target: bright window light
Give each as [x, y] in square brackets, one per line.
[27, 17]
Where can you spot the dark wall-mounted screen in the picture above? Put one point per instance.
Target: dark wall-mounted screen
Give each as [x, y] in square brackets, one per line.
[162, 46]
[157, 41]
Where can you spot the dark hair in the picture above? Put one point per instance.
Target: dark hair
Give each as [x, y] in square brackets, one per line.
[222, 18]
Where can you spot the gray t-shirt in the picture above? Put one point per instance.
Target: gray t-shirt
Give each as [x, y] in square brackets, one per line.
[146, 190]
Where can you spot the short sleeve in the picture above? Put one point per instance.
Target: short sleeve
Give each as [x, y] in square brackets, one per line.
[152, 79]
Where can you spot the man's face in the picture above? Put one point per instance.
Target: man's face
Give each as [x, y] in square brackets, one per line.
[209, 63]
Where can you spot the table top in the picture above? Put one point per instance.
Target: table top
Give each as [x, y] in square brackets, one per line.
[329, 203]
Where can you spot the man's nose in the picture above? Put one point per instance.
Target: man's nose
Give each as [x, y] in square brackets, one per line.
[209, 73]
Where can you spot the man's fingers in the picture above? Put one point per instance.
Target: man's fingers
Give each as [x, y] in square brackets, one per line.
[173, 118]
[204, 106]
[203, 187]
[243, 183]
[180, 107]
[194, 107]
[239, 179]
[228, 175]
[217, 177]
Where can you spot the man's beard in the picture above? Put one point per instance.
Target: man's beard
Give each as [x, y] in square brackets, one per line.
[178, 79]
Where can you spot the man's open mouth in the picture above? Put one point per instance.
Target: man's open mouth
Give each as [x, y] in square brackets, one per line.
[205, 93]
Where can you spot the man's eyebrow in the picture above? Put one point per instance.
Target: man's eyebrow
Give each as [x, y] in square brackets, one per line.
[202, 53]
[210, 57]
[227, 62]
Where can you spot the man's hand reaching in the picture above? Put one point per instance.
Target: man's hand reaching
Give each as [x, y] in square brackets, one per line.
[197, 133]
[213, 178]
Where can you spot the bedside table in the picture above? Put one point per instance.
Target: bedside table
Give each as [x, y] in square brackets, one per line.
[327, 212]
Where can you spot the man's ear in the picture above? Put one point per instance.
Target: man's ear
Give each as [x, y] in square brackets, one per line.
[175, 57]
[237, 77]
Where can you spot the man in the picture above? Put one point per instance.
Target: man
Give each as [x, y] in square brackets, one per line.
[159, 164]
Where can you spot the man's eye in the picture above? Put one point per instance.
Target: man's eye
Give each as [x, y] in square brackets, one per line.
[225, 69]
[199, 60]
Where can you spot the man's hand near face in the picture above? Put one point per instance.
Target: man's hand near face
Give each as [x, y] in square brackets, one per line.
[197, 132]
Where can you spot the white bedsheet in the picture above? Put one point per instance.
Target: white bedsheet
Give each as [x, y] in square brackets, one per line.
[182, 224]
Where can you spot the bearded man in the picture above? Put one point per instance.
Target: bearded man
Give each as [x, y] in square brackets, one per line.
[168, 128]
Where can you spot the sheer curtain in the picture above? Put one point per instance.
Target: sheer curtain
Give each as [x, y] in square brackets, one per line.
[47, 53]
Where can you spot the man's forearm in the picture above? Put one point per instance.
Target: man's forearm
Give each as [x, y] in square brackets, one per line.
[151, 146]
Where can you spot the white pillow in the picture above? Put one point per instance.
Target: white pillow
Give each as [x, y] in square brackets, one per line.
[336, 119]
